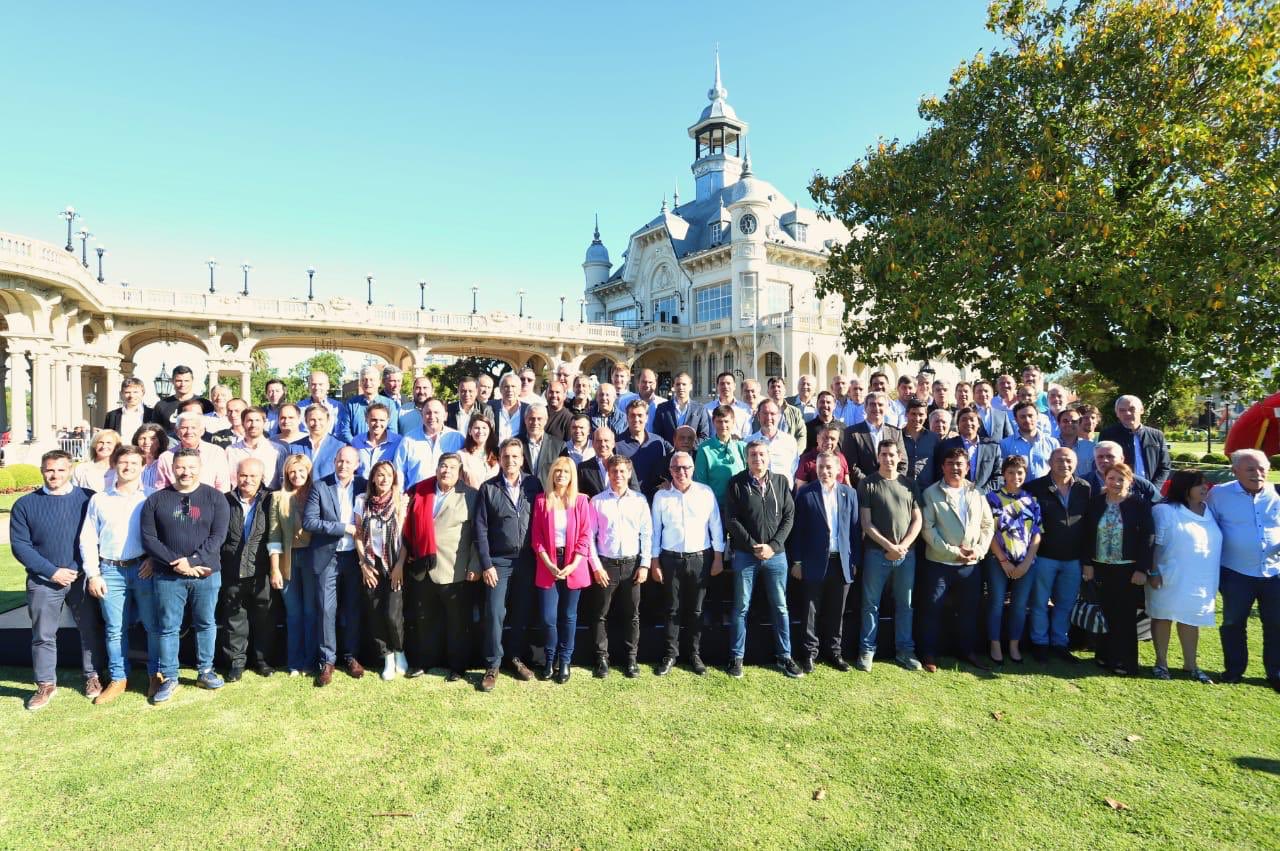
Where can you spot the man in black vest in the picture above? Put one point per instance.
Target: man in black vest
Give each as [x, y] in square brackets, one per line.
[245, 596]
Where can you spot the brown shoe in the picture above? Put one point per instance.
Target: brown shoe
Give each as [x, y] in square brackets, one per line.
[153, 686]
[44, 694]
[522, 670]
[490, 679]
[92, 686]
[354, 668]
[325, 676]
[929, 664]
[111, 692]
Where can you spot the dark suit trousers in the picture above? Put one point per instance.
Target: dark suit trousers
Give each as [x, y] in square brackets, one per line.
[824, 601]
[1120, 600]
[45, 600]
[599, 599]
[244, 609]
[685, 578]
[436, 619]
[507, 603]
[964, 585]
[384, 612]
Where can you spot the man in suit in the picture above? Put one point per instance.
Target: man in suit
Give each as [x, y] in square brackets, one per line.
[330, 518]
[825, 546]
[593, 475]
[467, 405]
[442, 560]
[508, 410]
[958, 527]
[984, 455]
[995, 422]
[861, 441]
[1105, 456]
[680, 410]
[540, 447]
[132, 414]
[245, 597]
[1145, 450]
[503, 506]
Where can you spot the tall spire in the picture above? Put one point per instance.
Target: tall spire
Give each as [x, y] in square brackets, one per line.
[746, 162]
[595, 240]
[675, 194]
[718, 91]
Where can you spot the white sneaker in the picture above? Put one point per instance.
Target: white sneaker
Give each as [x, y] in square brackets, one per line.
[389, 666]
[294, 672]
[402, 664]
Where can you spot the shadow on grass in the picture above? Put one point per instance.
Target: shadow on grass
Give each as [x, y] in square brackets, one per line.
[1259, 763]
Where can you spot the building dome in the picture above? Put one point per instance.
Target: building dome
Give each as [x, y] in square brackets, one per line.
[596, 252]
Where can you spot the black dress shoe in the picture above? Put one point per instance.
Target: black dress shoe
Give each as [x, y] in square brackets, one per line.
[978, 662]
[1065, 655]
[262, 669]
[601, 670]
[631, 671]
[839, 663]
[453, 676]
[1040, 653]
[234, 675]
[664, 667]
[549, 669]
[698, 666]
[806, 664]
[562, 676]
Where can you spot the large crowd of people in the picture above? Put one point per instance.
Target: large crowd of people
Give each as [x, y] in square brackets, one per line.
[502, 519]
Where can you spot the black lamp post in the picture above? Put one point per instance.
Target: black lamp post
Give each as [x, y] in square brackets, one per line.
[582, 311]
[84, 235]
[211, 263]
[561, 308]
[311, 292]
[521, 303]
[369, 279]
[101, 251]
[422, 295]
[246, 267]
[70, 215]
[474, 290]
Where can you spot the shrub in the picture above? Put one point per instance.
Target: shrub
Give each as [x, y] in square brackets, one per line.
[1214, 458]
[1186, 457]
[1275, 462]
[25, 475]
[6, 481]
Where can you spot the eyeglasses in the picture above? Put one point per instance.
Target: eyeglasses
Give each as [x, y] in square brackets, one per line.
[524, 380]
[186, 506]
[683, 468]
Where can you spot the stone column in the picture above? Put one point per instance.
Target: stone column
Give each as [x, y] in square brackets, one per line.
[18, 396]
[75, 383]
[109, 396]
[42, 425]
[245, 384]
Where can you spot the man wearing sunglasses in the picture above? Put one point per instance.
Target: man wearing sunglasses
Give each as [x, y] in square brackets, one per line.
[183, 527]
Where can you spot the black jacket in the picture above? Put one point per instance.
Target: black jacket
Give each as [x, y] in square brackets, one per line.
[1155, 452]
[591, 482]
[112, 421]
[243, 556]
[1138, 529]
[1062, 531]
[552, 446]
[502, 528]
[453, 421]
[756, 518]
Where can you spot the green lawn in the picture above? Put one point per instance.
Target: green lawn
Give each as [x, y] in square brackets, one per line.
[892, 759]
[13, 581]
[7, 500]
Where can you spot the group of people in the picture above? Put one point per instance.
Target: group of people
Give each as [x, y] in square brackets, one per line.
[424, 528]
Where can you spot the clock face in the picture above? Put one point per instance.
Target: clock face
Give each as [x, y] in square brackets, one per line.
[747, 224]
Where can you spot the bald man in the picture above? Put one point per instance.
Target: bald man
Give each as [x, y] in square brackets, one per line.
[245, 597]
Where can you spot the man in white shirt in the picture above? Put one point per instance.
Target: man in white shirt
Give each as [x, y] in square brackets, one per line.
[621, 537]
[418, 454]
[114, 562]
[726, 385]
[578, 447]
[688, 544]
[256, 444]
[784, 452]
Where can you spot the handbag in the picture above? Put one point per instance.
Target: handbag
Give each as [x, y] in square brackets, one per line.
[1086, 612]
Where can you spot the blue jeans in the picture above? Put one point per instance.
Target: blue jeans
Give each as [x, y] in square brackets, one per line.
[1020, 591]
[1238, 593]
[559, 619]
[300, 654]
[773, 575]
[128, 599]
[307, 583]
[876, 572]
[172, 594]
[1059, 580]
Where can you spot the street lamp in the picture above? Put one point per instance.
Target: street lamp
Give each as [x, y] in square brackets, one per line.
[311, 293]
[163, 382]
[474, 290]
[522, 293]
[70, 215]
[101, 251]
[211, 263]
[561, 308]
[369, 278]
[245, 267]
[422, 295]
[84, 235]
[582, 310]
[91, 399]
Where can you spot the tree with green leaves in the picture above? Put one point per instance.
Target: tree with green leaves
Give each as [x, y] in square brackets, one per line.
[473, 365]
[1099, 192]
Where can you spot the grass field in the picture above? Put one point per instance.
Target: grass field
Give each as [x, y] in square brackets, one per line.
[13, 581]
[1023, 758]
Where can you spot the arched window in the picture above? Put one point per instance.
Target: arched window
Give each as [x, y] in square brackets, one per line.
[697, 375]
[728, 362]
[772, 365]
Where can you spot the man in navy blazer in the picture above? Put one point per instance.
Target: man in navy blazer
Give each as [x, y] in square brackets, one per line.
[330, 518]
[1150, 457]
[824, 556]
[680, 410]
[995, 423]
[985, 456]
[508, 410]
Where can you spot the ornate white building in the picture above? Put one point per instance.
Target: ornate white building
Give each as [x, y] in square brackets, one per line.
[725, 282]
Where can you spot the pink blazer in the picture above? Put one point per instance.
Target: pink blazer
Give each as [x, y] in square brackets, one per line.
[577, 538]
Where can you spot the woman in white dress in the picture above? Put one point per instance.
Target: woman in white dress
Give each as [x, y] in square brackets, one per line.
[1183, 583]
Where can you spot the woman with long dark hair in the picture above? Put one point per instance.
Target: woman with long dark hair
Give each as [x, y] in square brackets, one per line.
[480, 452]
[381, 553]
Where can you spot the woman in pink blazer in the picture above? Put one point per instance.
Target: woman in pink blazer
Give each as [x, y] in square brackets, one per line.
[560, 528]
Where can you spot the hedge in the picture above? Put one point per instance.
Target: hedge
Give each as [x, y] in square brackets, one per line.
[1186, 457]
[25, 475]
[1214, 458]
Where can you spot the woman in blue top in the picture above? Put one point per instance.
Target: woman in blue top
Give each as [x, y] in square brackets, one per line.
[1012, 555]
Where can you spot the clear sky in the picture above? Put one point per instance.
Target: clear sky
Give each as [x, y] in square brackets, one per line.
[461, 144]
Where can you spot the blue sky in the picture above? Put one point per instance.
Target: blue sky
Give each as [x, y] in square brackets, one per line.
[428, 141]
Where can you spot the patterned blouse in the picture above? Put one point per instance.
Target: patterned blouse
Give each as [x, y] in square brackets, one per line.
[1017, 519]
[1110, 546]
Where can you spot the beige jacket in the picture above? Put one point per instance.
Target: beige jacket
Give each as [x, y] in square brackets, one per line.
[944, 531]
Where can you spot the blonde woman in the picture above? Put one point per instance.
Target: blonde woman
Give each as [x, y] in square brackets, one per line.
[381, 554]
[288, 544]
[96, 473]
[560, 530]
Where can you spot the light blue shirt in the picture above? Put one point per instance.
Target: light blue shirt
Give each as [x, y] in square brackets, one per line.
[1036, 451]
[1250, 527]
[1084, 457]
[330, 403]
[849, 412]
[417, 455]
[321, 459]
[370, 455]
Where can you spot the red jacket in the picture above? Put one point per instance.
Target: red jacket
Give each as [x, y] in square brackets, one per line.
[577, 537]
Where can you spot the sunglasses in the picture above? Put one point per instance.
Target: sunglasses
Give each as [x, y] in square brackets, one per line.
[186, 506]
